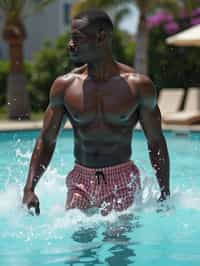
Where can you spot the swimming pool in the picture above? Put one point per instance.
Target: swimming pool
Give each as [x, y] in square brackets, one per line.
[142, 235]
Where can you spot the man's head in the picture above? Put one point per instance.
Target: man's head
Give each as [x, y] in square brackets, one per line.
[91, 36]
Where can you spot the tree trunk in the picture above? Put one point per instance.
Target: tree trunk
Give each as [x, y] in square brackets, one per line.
[17, 95]
[141, 50]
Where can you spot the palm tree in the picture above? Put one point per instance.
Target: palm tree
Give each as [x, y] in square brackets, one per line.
[14, 33]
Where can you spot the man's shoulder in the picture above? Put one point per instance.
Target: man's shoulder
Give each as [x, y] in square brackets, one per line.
[79, 70]
[132, 75]
[67, 79]
[63, 82]
[145, 89]
[125, 69]
[140, 84]
[60, 84]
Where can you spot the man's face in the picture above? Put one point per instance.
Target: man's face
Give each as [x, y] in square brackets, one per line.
[83, 44]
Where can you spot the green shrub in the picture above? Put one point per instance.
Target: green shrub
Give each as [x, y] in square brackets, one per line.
[123, 47]
[49, 63]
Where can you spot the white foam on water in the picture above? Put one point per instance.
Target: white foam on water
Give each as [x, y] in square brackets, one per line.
[187, 199]
[9, 200]
[20, 154]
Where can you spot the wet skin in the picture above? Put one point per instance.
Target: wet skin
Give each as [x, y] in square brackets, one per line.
[103, 115]
[103, 100]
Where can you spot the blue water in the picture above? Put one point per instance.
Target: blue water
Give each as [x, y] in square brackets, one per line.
[142, 235]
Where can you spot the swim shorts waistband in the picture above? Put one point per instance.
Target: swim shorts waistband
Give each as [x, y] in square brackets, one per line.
[110, 170]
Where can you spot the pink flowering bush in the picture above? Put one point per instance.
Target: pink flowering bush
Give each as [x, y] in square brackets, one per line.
[195, 18]
[166, 21]
[159, 18]
[196, 12]
[195, 21]
[171, 27]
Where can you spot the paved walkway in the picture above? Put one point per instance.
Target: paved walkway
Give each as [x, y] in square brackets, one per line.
[31, 125]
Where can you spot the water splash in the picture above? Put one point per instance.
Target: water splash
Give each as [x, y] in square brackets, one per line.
[54, 219]
[54, 227]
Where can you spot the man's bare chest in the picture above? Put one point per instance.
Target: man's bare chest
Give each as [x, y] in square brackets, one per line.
[110, 102]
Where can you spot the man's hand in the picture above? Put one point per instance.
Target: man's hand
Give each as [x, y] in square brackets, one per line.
[31, 200]
[164, 196]
[164, 203]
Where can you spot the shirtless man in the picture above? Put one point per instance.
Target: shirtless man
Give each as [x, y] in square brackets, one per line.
[103, 100]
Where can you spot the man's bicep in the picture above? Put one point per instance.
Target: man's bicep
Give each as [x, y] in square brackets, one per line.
[55, 114]
[150, 119]
[54, 119]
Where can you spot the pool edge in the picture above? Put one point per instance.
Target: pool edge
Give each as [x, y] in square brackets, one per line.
[6, 126]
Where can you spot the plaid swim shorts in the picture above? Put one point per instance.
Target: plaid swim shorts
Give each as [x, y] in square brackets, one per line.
[109, 188]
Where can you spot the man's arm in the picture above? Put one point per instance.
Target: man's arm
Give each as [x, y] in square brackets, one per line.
[150, 119]
[53, 119]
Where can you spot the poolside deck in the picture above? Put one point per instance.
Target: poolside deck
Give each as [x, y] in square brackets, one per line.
[31, 125]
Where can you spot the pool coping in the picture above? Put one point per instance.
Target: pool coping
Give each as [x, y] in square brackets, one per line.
[37, 125]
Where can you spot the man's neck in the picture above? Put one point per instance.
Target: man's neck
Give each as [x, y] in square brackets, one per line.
[103, 69]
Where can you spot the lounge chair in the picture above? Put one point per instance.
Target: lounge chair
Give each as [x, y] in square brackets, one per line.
[191, 112]
[170, 100]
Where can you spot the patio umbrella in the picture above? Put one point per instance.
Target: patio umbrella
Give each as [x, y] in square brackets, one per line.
[189, 37]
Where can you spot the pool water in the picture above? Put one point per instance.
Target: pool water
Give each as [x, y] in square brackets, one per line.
[145, 234]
